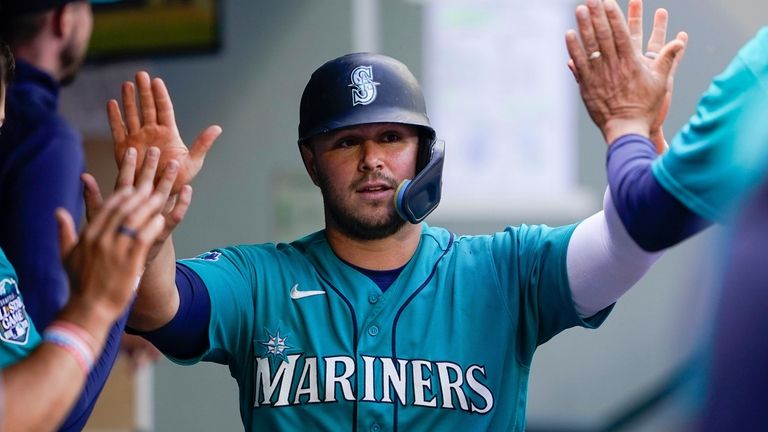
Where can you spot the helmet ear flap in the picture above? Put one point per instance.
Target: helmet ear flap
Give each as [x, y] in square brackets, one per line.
[426, 143]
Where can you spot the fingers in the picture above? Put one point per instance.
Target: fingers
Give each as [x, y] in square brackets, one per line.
[130, 109]
[127, 169]
[586, 31]
[180, 209]
[91, 195]
[635, 24]
[619, 30]
[204, 142]
[576, 51]
[165, 115]
[148, 169]
[669, 56]
[67, 233]
[116, 124]
[602, 28]
[659, 34]
[155, 202]
[572, 68]
[147, 99]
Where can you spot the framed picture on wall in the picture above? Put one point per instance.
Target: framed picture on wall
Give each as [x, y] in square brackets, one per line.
[154, 28]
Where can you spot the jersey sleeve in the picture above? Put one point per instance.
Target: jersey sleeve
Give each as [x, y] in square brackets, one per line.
[18, 335]
[721, 153]
[229, 277]
[532, 269]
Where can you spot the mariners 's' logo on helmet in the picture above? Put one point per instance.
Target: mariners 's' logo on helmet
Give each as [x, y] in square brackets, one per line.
[363, 85]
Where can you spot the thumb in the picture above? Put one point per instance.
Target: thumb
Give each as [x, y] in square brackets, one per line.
[668, 57]
[204, 142]
[67, 234]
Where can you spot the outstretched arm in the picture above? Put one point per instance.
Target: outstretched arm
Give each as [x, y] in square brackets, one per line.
[152, 123]
[625, 93]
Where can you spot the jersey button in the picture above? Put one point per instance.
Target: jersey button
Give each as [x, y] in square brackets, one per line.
[375, 428]
[373, 330]
[373, 299]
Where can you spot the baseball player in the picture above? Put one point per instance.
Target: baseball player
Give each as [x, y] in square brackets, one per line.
[380, 321]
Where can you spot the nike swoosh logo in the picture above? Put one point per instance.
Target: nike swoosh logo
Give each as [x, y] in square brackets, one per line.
[296, 294]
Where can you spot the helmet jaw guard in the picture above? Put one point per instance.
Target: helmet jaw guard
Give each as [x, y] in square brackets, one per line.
[364, 88]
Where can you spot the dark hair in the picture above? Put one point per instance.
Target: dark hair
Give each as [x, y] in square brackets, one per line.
[20, 29]
[7, 65]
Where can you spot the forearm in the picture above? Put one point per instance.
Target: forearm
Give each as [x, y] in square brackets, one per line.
[603, 261]
[41, 389]
[653, 217]
[96, 379]
[186, 335]
[46, 384]
[158, 300]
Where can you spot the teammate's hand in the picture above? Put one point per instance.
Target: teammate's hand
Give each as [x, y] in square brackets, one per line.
[623, 90]
[655, 44]
[154, 124]
[106, 261]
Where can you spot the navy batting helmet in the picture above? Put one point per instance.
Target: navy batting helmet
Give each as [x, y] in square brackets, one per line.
[363, 88]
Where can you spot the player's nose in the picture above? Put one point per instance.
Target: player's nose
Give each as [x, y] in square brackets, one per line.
[371, 155]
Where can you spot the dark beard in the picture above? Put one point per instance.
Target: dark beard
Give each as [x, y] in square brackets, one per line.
[70, 64]
[356, 227]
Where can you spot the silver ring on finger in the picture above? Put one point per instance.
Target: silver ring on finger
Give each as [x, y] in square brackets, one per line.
[651, 55]
[594, 55]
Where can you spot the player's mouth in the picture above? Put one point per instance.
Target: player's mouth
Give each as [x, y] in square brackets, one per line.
[375, 190]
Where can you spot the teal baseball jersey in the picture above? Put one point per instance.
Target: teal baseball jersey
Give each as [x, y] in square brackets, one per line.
[18, 336]
[316, 345]
[721, 154]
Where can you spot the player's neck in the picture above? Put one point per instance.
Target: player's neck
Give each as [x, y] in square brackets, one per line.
[384, 254]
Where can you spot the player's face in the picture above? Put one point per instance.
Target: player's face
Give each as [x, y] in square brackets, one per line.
[358, 170]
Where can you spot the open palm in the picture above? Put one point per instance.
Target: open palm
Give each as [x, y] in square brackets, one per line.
[153, 124]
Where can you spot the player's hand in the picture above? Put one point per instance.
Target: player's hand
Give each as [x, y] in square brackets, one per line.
[623, 90]
[174, 209]
[107, 259]
[153, 124]
[655, 44]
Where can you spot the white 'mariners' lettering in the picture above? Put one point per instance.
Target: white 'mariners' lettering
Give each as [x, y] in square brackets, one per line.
[449, 386]
[331, 379]
[370, 390]
[308, 376]
[266, 385]
[393, 378]
[479, 389]
[422, 383]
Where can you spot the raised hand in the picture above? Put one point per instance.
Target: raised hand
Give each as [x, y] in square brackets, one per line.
[623, 90]
[153, 124]
[106, 261]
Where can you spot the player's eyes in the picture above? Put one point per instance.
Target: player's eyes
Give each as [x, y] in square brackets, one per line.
[391, 137]
[346, 142]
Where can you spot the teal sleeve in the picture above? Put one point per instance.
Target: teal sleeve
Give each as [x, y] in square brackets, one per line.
[532, 268]
[721, 153]
[18, 335]
[228, 277]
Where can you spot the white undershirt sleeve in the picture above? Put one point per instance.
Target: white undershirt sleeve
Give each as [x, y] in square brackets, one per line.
[603, 261]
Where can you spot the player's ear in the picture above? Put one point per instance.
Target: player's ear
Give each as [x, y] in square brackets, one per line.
[308, 156]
